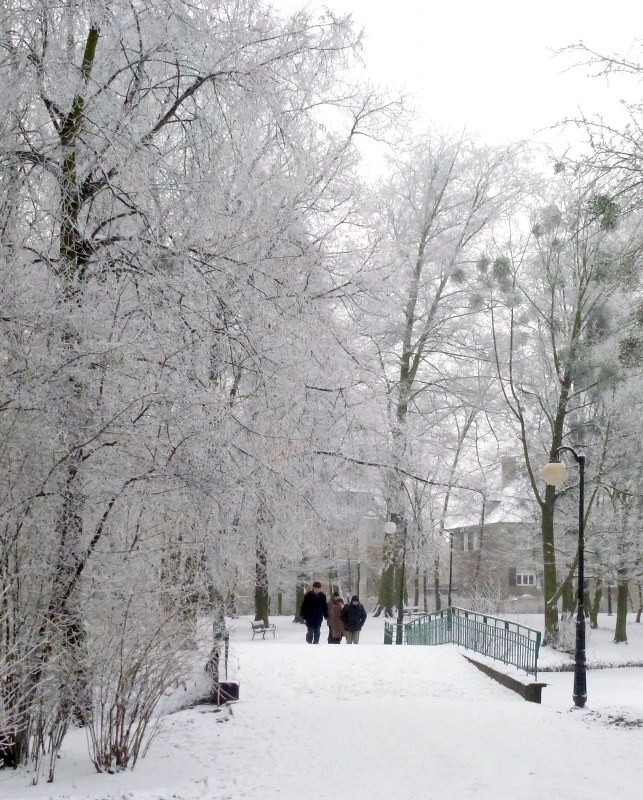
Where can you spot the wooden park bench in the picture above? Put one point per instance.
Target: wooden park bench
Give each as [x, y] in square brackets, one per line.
[259, 627]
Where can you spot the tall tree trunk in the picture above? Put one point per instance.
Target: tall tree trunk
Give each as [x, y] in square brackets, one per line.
[425, 590]
[595, 606]
[262, 600]
[436, 584]
[300, 591]
[333, 586]
[401, 594]
[386, 591]
[73, 251]
[620, 631]
[550, 580]
[568, 595]
[62, 631]
[61, 642]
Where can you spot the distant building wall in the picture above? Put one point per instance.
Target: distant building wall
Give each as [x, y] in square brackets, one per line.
[502, 554]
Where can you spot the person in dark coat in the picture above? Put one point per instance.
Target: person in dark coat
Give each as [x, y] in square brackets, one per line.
[335, 624]
[353, 616]
[314, 610]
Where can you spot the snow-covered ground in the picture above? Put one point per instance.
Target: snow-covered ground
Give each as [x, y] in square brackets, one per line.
[375, 722]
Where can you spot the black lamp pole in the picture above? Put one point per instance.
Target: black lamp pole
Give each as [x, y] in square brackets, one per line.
[580, 671]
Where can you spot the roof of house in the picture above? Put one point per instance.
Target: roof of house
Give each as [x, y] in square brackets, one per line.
[511, 505]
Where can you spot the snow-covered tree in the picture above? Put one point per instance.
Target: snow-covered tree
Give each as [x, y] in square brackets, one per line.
[556, 295]
[431, 213]
[172, 189]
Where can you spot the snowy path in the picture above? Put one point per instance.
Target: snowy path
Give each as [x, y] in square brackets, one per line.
[372, 723]
[364, 724]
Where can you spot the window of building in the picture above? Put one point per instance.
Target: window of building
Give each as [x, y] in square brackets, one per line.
[525, 579]
[470, 540]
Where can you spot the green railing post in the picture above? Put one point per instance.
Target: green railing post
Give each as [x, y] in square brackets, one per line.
[388, 633]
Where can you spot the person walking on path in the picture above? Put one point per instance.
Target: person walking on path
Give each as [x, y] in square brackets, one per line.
[353, 616]
[335, 624]
[314, 610]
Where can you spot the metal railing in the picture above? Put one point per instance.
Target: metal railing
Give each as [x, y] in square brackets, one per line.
[497, 638]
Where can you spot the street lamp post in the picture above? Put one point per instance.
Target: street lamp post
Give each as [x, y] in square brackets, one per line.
[555, 474]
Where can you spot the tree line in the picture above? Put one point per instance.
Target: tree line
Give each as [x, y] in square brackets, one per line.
[212, 322]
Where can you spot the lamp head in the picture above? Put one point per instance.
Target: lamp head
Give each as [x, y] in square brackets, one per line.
[554, 473]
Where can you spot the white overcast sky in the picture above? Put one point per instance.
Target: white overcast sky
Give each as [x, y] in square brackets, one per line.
[488, 65]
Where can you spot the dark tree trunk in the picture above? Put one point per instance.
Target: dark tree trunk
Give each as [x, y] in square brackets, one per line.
[386, 593]
[568, 596]
[262, 599]
[436, 584]
[620, 631]
[425, 590]
[596, 605]
[550, 580]
[300, 591]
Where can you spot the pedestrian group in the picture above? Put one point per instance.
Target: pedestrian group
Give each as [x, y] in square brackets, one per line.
[345, 620]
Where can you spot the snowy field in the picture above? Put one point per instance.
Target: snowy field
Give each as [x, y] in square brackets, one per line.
[374, 722]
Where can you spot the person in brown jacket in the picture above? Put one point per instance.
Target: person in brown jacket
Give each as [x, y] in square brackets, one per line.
[335, 624]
